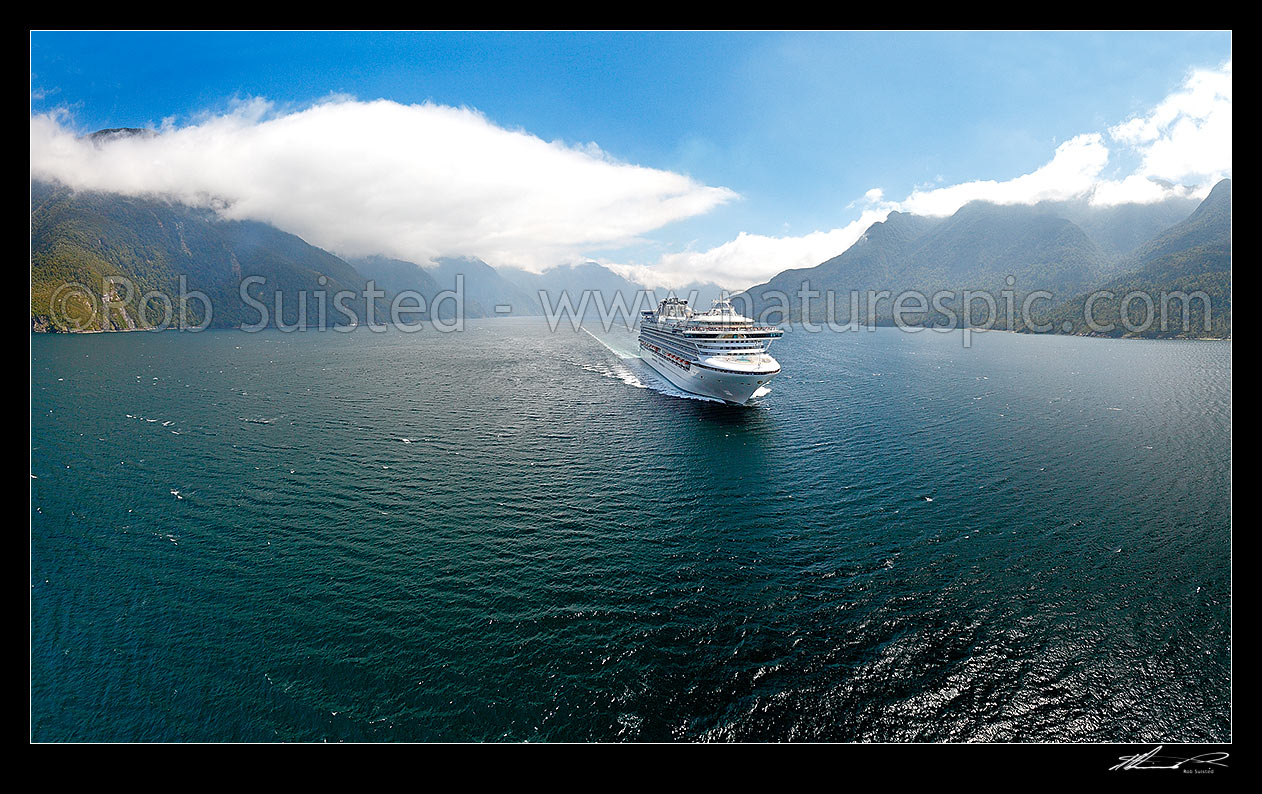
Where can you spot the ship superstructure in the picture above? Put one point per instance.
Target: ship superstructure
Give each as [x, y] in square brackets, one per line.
[717, 353]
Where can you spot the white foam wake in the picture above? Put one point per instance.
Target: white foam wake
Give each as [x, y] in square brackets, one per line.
[615, 371]
[624, 355]
[636, 372]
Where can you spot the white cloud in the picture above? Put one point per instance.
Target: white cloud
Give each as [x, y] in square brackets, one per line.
[1187, 137]
[1072, 172]
[1184, 140]
[750, 258]
[409, 181]
[1136, 189]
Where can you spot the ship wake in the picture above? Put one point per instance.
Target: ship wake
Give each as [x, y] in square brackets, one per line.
[631, 369]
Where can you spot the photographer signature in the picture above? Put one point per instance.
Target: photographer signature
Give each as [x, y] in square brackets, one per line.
[1150, 760]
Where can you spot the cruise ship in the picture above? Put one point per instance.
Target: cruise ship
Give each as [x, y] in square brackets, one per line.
[716, 353]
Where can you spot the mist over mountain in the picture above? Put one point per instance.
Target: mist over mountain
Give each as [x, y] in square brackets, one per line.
[487, 293]
[1065, 248]
[1119, 229]
[572, 279]
[84, 238]
[396, 275]
[1189, 263]
[604, 288]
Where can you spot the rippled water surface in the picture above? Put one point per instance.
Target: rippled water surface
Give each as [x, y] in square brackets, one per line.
[511, 534]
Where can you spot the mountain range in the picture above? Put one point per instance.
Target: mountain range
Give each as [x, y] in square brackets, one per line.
[1192, 257]
[84, 239]
[1068, 249]
[1013, 252]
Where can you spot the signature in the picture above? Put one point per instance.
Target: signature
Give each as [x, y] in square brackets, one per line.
[1150, 760]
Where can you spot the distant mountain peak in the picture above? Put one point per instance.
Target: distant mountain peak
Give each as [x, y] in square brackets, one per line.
[1221, 191]
[102, 137]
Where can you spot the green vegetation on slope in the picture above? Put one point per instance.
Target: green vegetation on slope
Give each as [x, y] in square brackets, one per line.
[1176, 285]
[103, 261]
[1012, 253]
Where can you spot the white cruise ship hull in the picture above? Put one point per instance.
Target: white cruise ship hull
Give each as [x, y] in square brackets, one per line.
[731, 387]
[718, 354]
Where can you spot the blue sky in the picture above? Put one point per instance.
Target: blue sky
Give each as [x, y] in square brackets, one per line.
[798, 127]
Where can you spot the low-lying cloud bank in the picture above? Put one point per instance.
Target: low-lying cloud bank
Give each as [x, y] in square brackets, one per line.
[409, 181]
[750, 258]
[1183, 147]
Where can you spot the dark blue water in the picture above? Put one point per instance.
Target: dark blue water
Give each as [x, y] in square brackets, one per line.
[510, 534]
